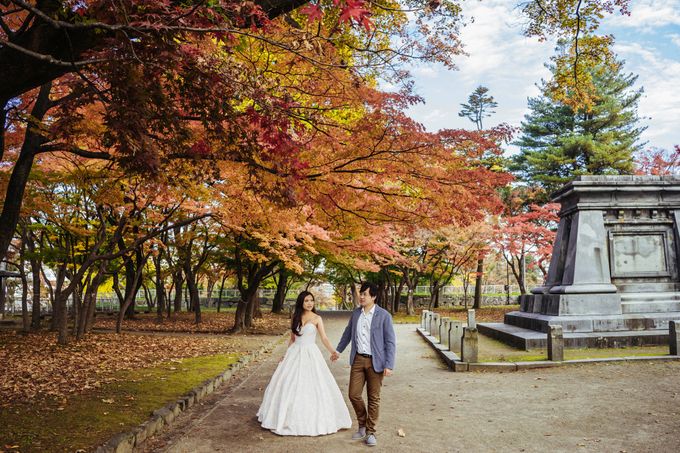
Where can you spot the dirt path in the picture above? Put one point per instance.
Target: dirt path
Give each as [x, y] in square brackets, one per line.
[630, 407]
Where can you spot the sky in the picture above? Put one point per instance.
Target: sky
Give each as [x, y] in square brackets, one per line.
[511, 66]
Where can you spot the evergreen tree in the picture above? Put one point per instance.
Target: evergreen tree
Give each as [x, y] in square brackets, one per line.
[479, 106]
[558, 143]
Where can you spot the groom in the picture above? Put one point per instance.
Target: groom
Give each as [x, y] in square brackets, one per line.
[372, 357]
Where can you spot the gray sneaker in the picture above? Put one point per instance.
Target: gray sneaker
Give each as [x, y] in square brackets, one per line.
[359, 434]
[371, 441]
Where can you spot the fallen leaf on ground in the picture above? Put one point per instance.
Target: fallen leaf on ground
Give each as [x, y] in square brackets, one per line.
[401, 433]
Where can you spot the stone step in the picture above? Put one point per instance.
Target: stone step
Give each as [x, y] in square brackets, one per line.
[652, 297]
[652, 287]
[656, 306]
[530, 339]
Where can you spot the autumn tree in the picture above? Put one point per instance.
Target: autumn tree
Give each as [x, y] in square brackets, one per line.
[658, 161]
[527, 233]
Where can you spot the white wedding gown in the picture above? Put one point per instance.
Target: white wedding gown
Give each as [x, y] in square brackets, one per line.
[302, 398]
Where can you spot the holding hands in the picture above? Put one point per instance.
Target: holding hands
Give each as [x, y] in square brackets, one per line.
[335, 355]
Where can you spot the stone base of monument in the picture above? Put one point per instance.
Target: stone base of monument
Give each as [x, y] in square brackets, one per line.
[590, 320]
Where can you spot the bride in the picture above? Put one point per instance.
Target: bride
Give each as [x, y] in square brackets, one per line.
[302, 398]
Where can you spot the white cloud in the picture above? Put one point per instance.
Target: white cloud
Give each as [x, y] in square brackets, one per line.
[661, 99]
[511, 65]
[425, 71]
[675, 39]
[499, 57]
[647, 15]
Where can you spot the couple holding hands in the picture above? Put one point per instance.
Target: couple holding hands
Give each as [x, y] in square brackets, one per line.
[303, 399]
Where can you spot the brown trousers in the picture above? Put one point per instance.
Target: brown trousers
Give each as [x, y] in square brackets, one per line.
[362, 373]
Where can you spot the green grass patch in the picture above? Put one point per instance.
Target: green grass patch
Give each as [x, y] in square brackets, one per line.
[90, 419]
[491, 350]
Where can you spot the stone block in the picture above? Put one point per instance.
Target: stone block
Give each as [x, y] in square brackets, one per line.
[495, 367]
[471, 322]
[470, 349]
[434, 324]
[166, 414]
[154, 425]
[140, 434]
[555, 343]
[460, 366]
[122, 443]
[455, 336]
[423, 318]
[674, 336]
[537, 364]
[443, 325]
[444, 332]
[428, 320]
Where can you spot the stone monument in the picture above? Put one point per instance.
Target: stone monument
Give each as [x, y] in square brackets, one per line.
[614, 276]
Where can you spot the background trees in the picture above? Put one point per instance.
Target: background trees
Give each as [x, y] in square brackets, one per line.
[559, 142]
[159, 139]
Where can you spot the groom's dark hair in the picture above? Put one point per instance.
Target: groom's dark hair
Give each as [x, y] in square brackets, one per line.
[371, 287]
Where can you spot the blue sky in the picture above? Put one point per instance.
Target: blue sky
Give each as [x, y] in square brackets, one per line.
[511, 65]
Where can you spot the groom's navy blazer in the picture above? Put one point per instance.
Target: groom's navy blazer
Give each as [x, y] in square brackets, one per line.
[383, 340]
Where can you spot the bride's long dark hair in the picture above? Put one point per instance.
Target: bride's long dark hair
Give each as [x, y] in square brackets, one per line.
[296, 322]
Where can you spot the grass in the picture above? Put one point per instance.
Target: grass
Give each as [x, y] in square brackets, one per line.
[491, 350]
[91, 418]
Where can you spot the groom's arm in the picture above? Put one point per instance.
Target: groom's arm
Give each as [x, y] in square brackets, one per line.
[390, 343]
[346, 336]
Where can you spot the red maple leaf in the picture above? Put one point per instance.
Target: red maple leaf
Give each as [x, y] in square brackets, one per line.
[312, 11]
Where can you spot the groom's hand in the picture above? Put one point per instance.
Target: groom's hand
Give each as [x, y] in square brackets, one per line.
[387, 372]
[335, 356]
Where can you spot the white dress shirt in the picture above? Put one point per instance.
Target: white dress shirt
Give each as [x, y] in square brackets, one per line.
[364, 331]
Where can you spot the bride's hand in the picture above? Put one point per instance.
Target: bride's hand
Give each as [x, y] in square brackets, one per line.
[335, 355]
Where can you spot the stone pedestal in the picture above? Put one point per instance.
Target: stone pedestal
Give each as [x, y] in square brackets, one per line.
[674, 337]
[614, 267]
[434, 324]
[444, 328]
[555, 344]
[455, 335]
[443, 333]
[470, 348]
[423, 319]
[471, 322]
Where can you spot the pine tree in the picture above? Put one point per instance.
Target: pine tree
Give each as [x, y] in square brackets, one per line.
[558, 143]
[479, 106]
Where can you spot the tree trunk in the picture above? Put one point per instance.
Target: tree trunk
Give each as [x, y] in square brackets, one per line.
[57, 309]
[3, 297]
[478, 284]
[396, 301]
[50, 290]
[26, 320]
[410, 309]
[14, 196]
[194, 300]
[89, 302]
[253, 301]
[219, 297]
[77, 305]
[62, 322]
[179, 289]
[280, 296]
[160, 288]
[129, 298]
[355, 295]
[35, 272]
